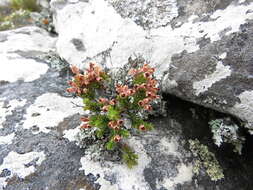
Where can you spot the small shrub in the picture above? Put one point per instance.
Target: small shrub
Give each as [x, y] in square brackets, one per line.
[118, 102]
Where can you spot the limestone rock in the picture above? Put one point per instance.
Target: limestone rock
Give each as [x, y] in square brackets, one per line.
[201, 49]
[37, 148]
[17, 51]
[39, 120]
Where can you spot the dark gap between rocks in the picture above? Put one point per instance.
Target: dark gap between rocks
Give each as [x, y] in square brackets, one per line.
[194, 119]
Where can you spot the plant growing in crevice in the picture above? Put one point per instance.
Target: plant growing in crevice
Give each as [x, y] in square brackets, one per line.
[206, 160]
[118, 102]
[226, 131]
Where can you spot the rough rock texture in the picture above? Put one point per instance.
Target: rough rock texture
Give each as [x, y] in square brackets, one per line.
[39, 120]
[202, 49]
[37, 149]
[206, 57]
[17, 48]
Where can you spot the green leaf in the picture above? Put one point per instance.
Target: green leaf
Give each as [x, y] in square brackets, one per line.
[91, 105]
[99, 133]
[139, 95]
[113, 113]
[124, 133]
[149, 126]
[100, 121]
[110, 145]
[123, 103]
[129, 157]
[139, 79]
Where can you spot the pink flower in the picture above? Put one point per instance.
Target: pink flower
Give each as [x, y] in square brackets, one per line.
[75, 70]
[142, 128]
[117, 138]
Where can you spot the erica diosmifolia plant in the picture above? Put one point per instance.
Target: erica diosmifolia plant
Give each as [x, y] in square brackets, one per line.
[115, 100]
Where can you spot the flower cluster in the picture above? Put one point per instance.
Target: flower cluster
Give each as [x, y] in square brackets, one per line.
[109, 112]
[83, 82]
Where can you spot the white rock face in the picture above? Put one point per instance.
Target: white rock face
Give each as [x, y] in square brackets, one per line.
[157, 13]
[244, 109]
[129, 179]
[43, 3]
[108, 33]
[99, 28]
[49, 110]
[7, 139]
[28, 39]
[70, 134]
[17, 164]
[15, 67]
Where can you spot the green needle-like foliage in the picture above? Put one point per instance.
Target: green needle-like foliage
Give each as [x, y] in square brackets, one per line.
[111, 104]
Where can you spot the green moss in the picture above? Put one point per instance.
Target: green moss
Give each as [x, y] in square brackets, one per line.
[113, 113]
[139, 79]
[30, 5]
[91, 105]
[206, 160]
[15, 19]
[129, 157]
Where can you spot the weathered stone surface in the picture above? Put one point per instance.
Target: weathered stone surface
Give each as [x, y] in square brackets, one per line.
[37, 148]
[17, 51]
[201, 49]
[39, 120]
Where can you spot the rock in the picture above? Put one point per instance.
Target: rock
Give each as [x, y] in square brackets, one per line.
[201, 54]
[49, 157]
[20, 50]
[4, 2]
[44, 3]
[39, 121]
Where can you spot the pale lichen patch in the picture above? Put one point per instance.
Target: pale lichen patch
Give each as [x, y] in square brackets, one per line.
[49, 110]
[220, 73]
[19, 164]
[169, 146]
[185, 174]
[6, 110]
[15, 67]
[28, 38]
[223, 55]
[100, 22]
[244, 109]
[7, 139]
[70, 134]
[168, 84]
[157, 13]
[127, 179]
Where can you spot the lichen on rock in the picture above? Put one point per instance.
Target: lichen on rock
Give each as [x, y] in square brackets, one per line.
[205, 159]
[226, 131]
